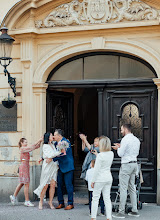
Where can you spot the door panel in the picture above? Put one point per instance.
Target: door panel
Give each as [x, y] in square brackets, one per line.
[60, 112]
[138, 106]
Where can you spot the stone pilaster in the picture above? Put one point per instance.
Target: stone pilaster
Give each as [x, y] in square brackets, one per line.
[39, 97]
[27, 60]
[157, 82]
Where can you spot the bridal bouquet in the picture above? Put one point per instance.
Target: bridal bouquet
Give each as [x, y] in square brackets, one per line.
[62, 145]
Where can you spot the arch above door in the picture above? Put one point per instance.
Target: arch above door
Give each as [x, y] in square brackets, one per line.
[62, 53]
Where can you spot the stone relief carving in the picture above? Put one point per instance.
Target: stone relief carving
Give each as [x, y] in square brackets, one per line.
[98, 11]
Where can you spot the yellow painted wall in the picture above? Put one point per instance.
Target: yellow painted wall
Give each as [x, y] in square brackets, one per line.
[37, 51]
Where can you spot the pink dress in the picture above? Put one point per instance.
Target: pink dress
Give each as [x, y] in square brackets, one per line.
[24, 174]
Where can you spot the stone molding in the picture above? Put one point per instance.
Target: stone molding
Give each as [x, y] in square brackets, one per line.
[66, 51]
[157, 82]
[39, 87]
[97, 12]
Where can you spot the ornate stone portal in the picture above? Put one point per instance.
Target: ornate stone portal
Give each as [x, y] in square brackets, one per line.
[98, 11]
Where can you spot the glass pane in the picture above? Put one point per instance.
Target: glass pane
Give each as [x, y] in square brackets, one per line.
[130, 68]
[101, 67]
[70, 71]
[5, 48]
[130, 115]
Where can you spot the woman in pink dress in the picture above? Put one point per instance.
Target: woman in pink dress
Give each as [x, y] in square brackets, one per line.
[24, 174]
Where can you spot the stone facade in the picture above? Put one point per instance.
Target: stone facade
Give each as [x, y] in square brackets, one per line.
[47, 32]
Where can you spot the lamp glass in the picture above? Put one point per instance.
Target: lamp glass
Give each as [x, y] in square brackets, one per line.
[5, 48]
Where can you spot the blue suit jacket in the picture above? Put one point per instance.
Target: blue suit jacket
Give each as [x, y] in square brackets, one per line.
[66, 163]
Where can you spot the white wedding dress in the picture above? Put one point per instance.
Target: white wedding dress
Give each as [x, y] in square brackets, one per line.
[49, 170]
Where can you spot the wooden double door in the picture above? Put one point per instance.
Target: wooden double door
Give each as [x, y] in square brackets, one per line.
[123, 102]
[134, 103]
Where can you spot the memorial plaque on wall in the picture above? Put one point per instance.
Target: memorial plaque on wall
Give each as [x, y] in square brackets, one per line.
[8, 118]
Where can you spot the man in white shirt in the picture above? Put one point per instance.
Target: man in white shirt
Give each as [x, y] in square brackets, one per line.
[128, 150]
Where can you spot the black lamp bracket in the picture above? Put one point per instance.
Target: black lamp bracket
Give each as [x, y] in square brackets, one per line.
[11, 80]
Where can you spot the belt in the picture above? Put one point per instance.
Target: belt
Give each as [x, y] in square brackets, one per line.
[132, 162]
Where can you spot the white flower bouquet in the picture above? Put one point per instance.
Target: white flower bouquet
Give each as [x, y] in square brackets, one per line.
[63, 146]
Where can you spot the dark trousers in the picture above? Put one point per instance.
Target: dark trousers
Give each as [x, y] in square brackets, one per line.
[101, 202]
[68, 180]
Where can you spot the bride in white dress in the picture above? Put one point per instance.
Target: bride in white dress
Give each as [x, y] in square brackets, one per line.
[49, 171]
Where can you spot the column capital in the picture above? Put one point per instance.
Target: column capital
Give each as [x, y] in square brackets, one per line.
[39, 87]
[157, 82]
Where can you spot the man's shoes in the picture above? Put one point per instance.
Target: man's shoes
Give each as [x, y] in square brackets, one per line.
[135, 214]
[118, 215]
[68, 207]
[60, 206]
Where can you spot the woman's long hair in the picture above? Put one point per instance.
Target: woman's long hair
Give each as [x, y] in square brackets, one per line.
[21, 141]
[46, 137]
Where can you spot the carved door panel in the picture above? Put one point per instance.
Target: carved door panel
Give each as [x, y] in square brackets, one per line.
[60, 112]
[138, 106]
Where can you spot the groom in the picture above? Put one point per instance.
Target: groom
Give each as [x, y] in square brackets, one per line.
[66, 169]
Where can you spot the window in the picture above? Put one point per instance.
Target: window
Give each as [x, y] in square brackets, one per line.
[102, 66]
[130, 115]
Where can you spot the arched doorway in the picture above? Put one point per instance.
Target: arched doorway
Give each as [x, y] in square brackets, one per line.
[110, 88]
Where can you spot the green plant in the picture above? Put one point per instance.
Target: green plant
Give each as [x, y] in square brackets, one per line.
[9, 99]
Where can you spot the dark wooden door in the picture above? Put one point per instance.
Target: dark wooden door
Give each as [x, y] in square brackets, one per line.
[135, 104]
[60, 112]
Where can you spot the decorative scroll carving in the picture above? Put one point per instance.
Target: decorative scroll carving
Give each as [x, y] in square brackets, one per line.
[98, 11]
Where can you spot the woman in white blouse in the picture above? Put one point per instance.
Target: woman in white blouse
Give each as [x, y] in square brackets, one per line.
[102, 178]
[49, 171]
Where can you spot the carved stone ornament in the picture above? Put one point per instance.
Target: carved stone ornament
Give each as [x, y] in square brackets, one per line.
[98, 11]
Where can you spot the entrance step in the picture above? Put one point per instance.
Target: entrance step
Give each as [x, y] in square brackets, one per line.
[79, 184]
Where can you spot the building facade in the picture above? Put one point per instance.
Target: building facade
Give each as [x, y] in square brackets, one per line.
[83, 66]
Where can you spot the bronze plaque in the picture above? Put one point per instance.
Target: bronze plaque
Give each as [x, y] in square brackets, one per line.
[8, 118]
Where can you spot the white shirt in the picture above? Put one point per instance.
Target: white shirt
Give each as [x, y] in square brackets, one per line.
[102, 167]
[129, 148]
[89, 176]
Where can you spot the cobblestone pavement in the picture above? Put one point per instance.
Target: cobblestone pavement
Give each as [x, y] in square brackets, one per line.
[80, 212]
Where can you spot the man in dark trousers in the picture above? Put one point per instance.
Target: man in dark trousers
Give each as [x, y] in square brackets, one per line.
[66, 169]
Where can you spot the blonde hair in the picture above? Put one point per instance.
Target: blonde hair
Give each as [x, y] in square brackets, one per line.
[96, 138]
[21, 141]
[104, 144]
[102, 137]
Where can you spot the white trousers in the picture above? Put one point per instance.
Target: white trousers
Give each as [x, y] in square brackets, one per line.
[105, 188]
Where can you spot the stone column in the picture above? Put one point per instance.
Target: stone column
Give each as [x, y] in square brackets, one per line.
[39, 101]
[27, 102]
[39, 127]
[157, 82]
[27, 60]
